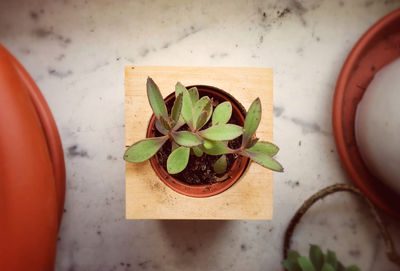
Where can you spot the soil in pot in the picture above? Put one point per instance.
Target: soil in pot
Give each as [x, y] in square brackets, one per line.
[199, 170]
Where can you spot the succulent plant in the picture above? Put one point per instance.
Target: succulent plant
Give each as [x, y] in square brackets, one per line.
[317, 261]
[196, 112]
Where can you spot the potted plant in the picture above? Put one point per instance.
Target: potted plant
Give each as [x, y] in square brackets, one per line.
[200, 140]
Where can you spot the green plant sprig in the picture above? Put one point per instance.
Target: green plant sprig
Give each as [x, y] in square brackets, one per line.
[317, 261]
[196, 112]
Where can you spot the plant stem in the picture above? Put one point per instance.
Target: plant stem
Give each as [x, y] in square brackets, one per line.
[390, 249]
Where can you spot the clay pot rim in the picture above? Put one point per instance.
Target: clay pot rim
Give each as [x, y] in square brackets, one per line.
[207, 190]
[356, 53]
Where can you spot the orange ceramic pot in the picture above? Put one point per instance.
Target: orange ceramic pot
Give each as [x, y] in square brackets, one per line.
[32, 172]
[236, 170]
[377, 47]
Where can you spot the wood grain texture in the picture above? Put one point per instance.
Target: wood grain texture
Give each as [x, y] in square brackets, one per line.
[147, 197]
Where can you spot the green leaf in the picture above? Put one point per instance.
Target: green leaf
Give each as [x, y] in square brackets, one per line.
[187, 107]
[187, 139]
[176, 108]
[264, 160]
[194, 94]
[161, 128]
[252, 142]
[215, 147]
[327, 267]
[222, 113]
[178, 160]
[352, 268]
[174, 146]
[179, 124]
[201, 120]
[199, 107]
[305, 264]
[293, 255]
[197, 151]
[290, 263]
[265, 147]
[252, 121]
[316, 256]
[155, 99]
[222, 132]
[209, 109]
[144, 149]
[330, 258]
[220, 165]
[164, 123]
[291, 266]
[179, 88]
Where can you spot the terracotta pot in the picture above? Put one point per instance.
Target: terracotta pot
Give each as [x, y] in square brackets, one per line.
[32, 172]
[236, 170]
[377, 47]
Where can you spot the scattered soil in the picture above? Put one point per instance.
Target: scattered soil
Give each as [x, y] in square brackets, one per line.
[199, 170]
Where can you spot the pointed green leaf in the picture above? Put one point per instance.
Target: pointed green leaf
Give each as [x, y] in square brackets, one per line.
[199, 107]
[187, 139]
[187, 107]
[194, 94]
[264, 160]
[290, 266]
[164, 123]
[179, 124]
[252, 121]
[174, 146]
[220, 165]
[222, 113]
[327, 267]
[330, 258]
[291, 263]
[144, 149]
[293, 255]
[209, 109]
[176, 108]
[197, 151]
[178, 160]
[215, 147]
[316, 256]
[265, 147]
[352, 268]
[161, 128]
[201, 120]
[155, 99]
[222, 132]
[305, 264]
[252, 142]
[179, 88]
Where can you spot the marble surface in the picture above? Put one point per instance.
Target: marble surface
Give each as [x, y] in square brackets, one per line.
[76, 51]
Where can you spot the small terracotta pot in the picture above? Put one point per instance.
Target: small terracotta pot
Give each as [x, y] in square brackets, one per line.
[236, 170]
[377, 47]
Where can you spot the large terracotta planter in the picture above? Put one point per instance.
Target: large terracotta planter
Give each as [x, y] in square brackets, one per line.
[377, 47]
[235, 172]
[32, 172]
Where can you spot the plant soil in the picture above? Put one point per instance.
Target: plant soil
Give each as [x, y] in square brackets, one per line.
[200, 170]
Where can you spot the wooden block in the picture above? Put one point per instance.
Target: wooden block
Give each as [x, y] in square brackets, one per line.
[147, 197]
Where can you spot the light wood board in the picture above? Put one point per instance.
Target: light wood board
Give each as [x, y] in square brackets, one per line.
[146, 195]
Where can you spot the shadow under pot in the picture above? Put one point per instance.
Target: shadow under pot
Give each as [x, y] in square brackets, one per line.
[198, 179]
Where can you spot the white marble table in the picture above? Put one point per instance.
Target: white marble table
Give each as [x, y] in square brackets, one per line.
[76, 51]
